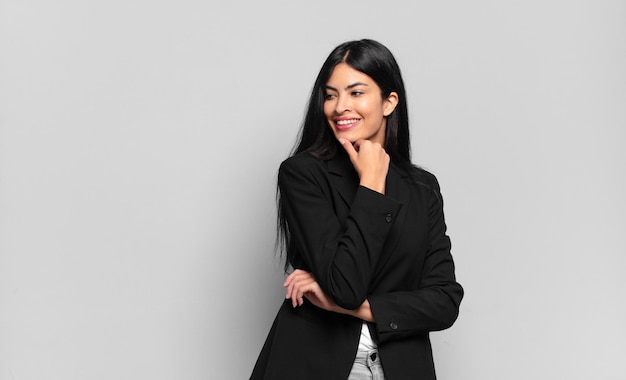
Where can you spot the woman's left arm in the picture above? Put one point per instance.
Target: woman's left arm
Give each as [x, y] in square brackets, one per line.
[434, 304]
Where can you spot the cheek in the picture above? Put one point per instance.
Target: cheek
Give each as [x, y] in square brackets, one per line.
[369, 107]
[328, 109]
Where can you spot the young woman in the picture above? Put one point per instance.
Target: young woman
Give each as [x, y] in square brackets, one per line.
[364, 234]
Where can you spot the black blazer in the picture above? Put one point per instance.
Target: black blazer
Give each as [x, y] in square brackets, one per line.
[359, 244]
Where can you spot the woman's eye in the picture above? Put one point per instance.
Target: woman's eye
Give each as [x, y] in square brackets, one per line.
[329, 96]
[357, 93]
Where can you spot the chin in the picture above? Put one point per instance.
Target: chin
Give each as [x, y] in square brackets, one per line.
[347, 136]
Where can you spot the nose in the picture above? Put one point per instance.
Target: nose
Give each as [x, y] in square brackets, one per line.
[343, 104]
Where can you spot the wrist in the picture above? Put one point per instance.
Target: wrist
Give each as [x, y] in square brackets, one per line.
[378, 186]
[363, 312]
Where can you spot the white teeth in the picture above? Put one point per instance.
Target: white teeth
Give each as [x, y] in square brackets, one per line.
[346, 122]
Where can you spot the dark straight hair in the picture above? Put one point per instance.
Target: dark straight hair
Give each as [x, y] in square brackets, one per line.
[317, 138]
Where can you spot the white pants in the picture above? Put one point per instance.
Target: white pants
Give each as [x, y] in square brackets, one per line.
[367, 366]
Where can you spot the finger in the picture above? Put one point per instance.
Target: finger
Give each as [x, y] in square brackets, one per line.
[299, 284]
[291, 280]
[296, 296]
[296, 275]
[361, 144]
[289, 284]
[292, 292]
[292, 288]
[292, 275]
[302, 291]
[358, 143]
[298, 272]
[302, 287]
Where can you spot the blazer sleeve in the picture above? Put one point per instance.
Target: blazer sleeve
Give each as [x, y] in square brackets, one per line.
[341, 257]
[434, 304]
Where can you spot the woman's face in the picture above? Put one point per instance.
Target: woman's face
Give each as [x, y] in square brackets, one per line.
[354, 106]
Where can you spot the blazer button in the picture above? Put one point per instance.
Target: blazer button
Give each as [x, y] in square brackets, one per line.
[393, 326]
[388, 218]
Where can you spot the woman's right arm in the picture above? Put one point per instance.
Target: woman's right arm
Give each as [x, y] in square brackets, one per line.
[340, 256]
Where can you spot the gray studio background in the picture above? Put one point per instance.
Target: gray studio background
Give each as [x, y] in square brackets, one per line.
[139, 143]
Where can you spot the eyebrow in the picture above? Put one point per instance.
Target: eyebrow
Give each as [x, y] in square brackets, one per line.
[348, 86]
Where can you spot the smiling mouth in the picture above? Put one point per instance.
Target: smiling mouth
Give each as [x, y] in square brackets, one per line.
[346, 124]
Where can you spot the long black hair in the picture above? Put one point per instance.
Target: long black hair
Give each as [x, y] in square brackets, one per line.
[376, 61]
[316, 137]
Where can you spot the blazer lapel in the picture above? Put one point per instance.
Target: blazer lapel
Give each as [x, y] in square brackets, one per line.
[343, 177]
[346, 180]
